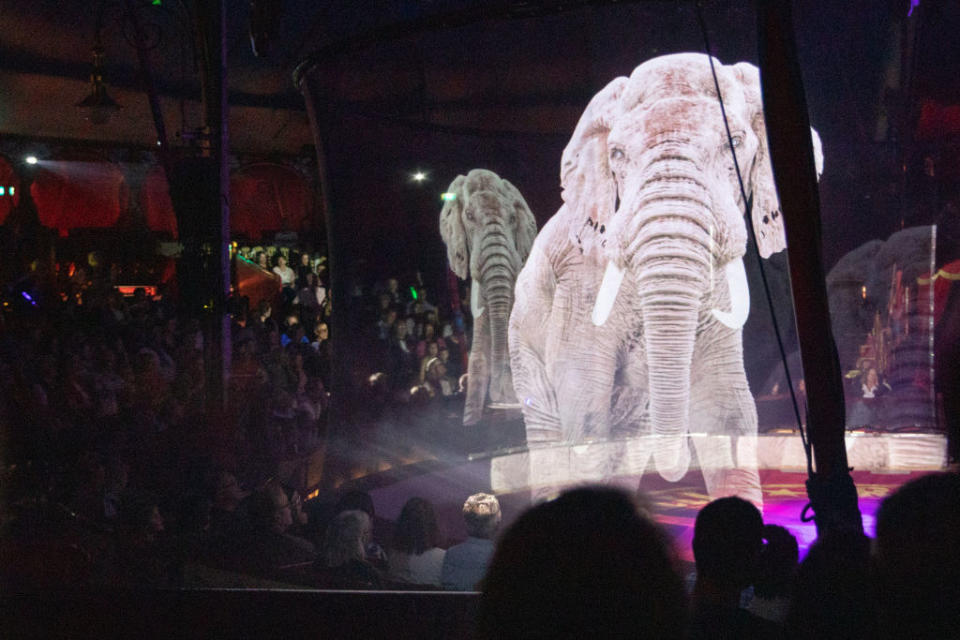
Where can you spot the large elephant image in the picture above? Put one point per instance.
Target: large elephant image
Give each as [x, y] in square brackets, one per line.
[629, 312]
[489, 230]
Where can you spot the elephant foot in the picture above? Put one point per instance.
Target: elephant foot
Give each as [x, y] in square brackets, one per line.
[738, 481]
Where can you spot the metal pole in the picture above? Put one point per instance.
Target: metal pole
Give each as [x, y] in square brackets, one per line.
[832, 493]
[211, 18]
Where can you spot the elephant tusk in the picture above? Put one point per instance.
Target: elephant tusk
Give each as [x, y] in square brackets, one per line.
[607, 295]
[739, 296]
[475, 307]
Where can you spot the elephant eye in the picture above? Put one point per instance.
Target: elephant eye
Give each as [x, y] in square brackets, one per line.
[616, 154]
[736, 141]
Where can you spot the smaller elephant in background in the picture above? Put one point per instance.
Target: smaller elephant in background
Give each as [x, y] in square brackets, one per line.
[489, 230]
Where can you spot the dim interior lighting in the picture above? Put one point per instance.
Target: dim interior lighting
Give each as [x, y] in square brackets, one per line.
[448, 196]
[13, 190]
[31, 159]
[3, 191]
[419, 176]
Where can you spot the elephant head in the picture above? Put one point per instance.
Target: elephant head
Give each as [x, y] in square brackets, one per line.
[649, 171]
[489, 231]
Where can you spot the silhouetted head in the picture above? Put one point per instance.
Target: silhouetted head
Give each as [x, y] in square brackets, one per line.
[727, 539]
[833, 598]
[482, 515]
[346, 539]
[584, 565]
[356, 500]
[918, 558]
[417, 528]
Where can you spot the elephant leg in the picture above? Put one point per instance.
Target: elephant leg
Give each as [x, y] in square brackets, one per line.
[478, 372]
[538, 402]
[723, 421]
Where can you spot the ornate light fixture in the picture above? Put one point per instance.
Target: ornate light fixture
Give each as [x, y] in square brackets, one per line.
[100, 106]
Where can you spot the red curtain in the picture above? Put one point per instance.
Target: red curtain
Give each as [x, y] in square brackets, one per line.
[269, 197]
[155, 203]
[71, 195]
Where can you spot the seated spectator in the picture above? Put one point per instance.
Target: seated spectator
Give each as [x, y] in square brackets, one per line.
[414, 556]
[266, 548]
[834, 598]
[872, 385]
[430, 353]
[141, 559]
[385, 326]
[450, 365]
[361, 500]
[727, 541]
[429, 337]
[304, 268]
[918, 559]
[773, 589]
[342, 563]
[298, 515]
[311, 298]
[400, 358]
[227, 519]
[585, 565]
[438, 383]
[465, 564]
[288, 278]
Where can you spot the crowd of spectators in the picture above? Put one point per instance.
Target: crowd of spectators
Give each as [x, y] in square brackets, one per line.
[113, 476]
[593, 563]
[417, 349]
[109, 451]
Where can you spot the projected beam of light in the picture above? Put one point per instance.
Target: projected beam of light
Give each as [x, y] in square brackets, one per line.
[913, 5]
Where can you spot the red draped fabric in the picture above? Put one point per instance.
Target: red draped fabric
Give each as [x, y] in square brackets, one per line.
[269, 197]
[8, 179]
[155, 203]
[71, 195]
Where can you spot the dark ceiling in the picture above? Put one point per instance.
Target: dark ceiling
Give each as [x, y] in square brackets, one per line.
[501, 66]
[450, 85]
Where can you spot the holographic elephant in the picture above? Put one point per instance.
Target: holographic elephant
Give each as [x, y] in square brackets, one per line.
[488, 229]
[629, 312]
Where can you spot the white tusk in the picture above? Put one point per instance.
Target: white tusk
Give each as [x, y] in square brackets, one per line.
[739, 296]
[475, 307]
[607, 295]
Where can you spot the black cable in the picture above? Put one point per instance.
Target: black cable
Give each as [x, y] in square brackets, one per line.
[748, 206]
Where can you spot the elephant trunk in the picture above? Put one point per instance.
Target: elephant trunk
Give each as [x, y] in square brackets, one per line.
[497, 272]
[669, 252]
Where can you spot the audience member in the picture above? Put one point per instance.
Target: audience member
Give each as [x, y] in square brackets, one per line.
[342, 563]
[834, 597]
[727, 544]
[918, 559]
[465, 564]
[586, 564]
[414, 556]
[266, 548]
[773, 588]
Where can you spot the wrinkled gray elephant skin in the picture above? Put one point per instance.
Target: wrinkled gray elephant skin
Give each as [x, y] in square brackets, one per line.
[629, 312]
[489, 230]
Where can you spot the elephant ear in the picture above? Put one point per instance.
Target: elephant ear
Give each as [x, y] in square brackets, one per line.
[589, 190]
[526, 225]
[452, 230]
[766, 216]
